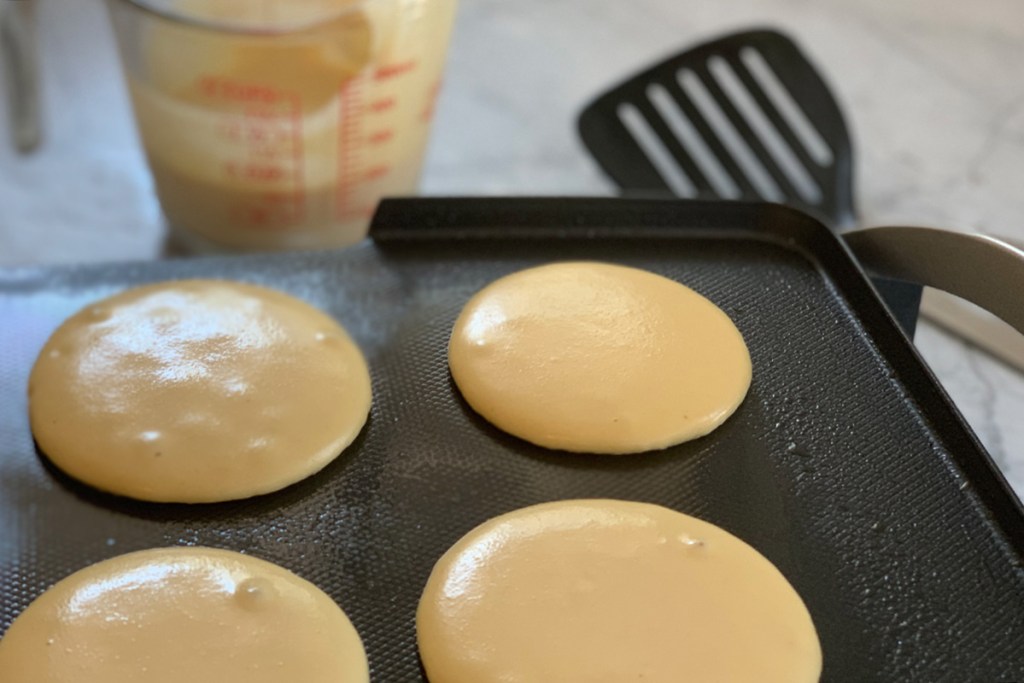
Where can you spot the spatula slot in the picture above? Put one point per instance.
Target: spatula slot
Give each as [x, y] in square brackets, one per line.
[697, 90]
[683, 129]
[795, 117]
[766, 130]
[656, 152]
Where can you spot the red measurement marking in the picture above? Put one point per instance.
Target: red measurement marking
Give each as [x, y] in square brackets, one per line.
[282, 214]
[349, 112]
[264, 172]
[299, 195]
[259, 215]
[381, 136]
[259, 218]
[257, 134]
[375, 172]
[220, 87]
[428, 110]
[263, 112]
[266, 153]
[266, 133]
[383, 104]
[259, 172]
[396, 69]
[230, 131]
[278, 198]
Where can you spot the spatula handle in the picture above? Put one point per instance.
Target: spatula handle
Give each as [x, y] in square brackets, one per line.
[984, 270]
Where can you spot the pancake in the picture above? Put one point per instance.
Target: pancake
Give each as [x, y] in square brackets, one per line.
[197, 391]
[599, 358]
[602, 590]
[174, 615]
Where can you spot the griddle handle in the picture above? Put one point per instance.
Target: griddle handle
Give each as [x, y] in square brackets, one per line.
[984, 270]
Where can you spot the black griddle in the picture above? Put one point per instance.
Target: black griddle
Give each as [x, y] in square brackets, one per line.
[847, 465]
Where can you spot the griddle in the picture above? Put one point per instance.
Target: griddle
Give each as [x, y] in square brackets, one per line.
[847, 465]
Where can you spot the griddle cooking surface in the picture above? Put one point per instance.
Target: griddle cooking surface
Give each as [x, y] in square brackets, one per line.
[845, 465]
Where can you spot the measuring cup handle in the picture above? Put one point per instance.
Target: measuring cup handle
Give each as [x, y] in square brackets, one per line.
[21, 72]
[984, 270]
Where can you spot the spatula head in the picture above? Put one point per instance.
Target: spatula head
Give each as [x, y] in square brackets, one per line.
[745, 116]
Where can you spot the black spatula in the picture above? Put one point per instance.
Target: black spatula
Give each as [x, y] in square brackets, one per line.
[743, 117]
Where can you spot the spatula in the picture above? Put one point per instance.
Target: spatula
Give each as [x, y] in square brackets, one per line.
[744, 117]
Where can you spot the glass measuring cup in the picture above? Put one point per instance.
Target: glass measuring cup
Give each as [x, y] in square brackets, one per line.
[278, 124]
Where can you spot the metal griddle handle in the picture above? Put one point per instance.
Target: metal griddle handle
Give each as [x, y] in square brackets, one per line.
[982, 269]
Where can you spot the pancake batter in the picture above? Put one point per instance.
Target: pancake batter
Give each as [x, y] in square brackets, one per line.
[599, 358]
[601, 590]
[197, 391]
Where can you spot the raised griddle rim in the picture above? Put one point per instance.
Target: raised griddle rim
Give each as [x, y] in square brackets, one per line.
[405, 220]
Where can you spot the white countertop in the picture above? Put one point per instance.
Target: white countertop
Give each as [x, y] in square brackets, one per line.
[931, 89]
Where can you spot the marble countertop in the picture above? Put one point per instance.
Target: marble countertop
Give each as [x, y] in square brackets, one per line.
[931, 88]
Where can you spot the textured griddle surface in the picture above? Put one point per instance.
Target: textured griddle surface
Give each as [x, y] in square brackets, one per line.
[832, 467]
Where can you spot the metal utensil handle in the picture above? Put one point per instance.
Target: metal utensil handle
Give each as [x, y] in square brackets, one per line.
[18, 58]
[984, 270]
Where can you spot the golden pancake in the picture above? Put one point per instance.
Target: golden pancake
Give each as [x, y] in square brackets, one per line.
[182, 615]
[601, 590]
[197, 391]
[598, 358]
